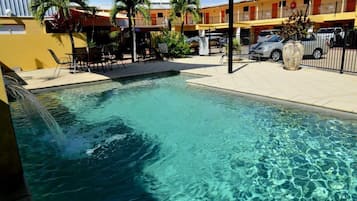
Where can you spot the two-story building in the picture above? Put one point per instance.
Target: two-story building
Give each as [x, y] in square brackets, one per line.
[266, 14]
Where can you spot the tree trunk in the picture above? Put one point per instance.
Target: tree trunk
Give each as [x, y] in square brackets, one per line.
[134, 42]
[182, 27]
[69, 29]
[71, 39]
[132, 36]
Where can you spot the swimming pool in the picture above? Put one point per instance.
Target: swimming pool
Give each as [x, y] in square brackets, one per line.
[161, 139]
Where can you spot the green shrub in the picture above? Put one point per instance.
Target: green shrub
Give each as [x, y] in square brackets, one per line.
[176, 43]
[236, 46]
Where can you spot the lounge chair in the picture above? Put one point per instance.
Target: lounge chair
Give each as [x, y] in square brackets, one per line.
[60, 63]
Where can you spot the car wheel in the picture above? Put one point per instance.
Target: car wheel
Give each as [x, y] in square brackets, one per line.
[331, 43]
[317, 54]
[276, 55]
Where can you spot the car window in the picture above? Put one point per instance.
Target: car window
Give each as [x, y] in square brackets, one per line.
[264, 33]
[274, 38]
[308, 38]
[268, 32]
[325, 31]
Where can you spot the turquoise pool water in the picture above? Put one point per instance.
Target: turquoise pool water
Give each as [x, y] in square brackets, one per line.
[160, 139]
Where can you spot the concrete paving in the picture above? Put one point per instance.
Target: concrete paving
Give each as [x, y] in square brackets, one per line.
[306, 86]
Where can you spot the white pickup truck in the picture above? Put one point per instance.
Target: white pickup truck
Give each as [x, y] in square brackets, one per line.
[333, 35]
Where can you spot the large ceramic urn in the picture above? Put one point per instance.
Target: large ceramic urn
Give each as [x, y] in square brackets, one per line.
[293, 51]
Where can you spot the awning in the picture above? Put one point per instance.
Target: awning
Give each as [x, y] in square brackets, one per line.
[99, 19]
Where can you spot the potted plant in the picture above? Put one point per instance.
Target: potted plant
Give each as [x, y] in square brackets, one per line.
[293, 30]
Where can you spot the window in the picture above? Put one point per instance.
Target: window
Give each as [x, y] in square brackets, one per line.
[52, 28]
[284, 3]
[227, 11]
[12, 29]
[160, 15]
[306, 1]
[246, 8]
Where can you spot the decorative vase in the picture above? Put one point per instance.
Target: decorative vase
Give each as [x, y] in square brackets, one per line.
[293, 51]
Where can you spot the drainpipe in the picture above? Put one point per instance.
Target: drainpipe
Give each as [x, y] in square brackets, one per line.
[12, 182]
[281, 9]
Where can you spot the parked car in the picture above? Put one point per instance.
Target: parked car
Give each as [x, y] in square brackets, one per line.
[273, 39]
[215, 41]
[333, 35]
[194, 43]
[266, 34]
[272, 48]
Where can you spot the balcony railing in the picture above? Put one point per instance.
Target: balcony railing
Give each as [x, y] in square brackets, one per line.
[152, 21]
[329, 8]
[326, 8]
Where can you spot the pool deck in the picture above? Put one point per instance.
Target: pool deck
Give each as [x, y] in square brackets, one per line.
[306, 86]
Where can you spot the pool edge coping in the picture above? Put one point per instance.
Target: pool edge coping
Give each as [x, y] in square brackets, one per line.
[321, 109]
[93, 82]
[291, 103]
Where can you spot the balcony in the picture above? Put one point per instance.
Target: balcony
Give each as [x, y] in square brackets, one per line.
[139, 21]
[330, 8]
[261, 14]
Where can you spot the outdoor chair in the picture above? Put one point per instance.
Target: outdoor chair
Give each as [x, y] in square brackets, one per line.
[95, 58]
[61, 63]
[81, 57]
[111, 58]
[164, 50]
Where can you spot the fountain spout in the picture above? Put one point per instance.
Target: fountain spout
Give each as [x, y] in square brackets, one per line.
[32, 107]
[12, 185]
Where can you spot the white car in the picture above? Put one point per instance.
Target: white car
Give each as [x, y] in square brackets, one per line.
[272, 48]
[333, 35]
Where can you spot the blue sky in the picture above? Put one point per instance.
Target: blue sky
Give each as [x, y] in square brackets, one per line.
[108, 3]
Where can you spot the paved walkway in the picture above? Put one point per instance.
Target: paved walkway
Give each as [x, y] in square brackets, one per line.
[307, 86]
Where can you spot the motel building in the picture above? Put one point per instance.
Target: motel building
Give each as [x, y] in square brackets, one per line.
[23, 36]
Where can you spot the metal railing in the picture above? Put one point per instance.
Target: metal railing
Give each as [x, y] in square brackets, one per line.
[330, 8]
[326, 8]
[341, 57]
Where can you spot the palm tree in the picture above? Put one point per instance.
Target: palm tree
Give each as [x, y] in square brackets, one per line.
[40, 7]
[131, 7]
[180, 8]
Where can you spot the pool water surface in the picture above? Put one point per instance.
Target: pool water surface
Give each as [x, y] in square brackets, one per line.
[161, 139]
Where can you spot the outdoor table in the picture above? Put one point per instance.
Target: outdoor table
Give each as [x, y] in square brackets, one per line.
[74, 60]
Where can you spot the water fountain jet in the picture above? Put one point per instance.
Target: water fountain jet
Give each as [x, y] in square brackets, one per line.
[32, 107]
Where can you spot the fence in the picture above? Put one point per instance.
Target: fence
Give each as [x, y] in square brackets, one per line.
[338, 53]
[341, 57]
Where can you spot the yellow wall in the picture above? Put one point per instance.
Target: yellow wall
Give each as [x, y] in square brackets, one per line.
[29, 51]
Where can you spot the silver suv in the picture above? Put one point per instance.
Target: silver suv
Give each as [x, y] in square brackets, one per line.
[272, 48]
[333, 35]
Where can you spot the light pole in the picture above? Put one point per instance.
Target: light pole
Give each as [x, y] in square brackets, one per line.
[230, 38]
